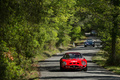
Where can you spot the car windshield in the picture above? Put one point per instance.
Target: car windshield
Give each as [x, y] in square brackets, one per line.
[89, 40]
[67, 56]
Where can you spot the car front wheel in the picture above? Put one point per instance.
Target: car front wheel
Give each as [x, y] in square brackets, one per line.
[85, 46]
[85, 69]
[61, 68]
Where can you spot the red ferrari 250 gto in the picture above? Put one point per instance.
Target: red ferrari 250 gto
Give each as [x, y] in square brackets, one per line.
[73, 60]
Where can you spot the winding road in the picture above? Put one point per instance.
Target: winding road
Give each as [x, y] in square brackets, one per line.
[50, 68]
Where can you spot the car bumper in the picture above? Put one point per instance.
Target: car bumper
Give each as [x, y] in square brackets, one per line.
[74, 67]
[89, 44]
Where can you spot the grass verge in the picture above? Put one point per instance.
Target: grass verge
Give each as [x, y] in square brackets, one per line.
[100, 58]
[81, 41]
[35, 72]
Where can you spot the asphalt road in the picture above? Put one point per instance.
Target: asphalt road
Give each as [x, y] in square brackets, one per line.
[50, 68]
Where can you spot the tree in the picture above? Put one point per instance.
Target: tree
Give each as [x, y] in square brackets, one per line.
[29, 27]
[112, 58]
[105, 14]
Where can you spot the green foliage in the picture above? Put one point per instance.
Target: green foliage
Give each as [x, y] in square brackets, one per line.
[105, 19]
[75, 33]
[117, 57]
[30, 27]
[8, 68]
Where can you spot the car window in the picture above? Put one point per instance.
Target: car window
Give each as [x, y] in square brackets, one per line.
[67, 56]
[89, 40]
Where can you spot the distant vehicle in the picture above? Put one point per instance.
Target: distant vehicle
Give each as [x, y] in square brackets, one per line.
[89, 42]
[73, 60]
[93, 33]
[87, 34]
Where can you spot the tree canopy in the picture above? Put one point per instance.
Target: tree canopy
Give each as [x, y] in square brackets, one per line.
[28, 27]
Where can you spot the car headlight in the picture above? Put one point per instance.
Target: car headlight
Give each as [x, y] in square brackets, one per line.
[64, 63]
[83, 63]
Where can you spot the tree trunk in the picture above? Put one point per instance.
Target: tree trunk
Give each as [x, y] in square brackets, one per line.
[114, 33]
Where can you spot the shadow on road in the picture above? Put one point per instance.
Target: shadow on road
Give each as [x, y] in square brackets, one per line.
[79, 78]
[89, 54]
[83, 77]
[85, 48]
[50, 61]
[94, 72]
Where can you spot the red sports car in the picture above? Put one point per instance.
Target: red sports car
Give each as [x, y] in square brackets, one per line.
[73, 60]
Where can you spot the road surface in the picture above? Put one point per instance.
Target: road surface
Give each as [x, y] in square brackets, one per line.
[50, 68]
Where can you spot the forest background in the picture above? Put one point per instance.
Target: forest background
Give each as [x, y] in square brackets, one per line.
[29, 28]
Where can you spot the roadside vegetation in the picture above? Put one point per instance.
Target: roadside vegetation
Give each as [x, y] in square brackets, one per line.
[33, 29]
[101, 59]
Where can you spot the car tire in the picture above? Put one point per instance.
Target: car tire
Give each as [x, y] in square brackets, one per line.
[61, 68]
[85, 69]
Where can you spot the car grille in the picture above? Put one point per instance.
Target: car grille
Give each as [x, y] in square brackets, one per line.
[74, 63]
[74, 66]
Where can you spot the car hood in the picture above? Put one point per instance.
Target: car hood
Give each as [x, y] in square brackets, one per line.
[73, 60]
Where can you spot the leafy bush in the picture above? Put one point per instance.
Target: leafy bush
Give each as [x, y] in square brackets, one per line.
[8, 68]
